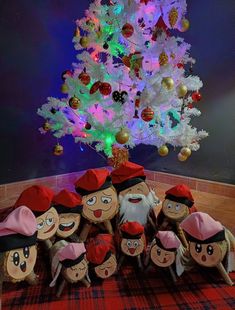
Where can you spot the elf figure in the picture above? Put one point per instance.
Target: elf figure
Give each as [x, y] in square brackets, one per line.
[39, 200]
[101, 255]
[18, 252]
[69, 207]
[136, 198]
[132, 242]
[210, 244]
[166, 251]
[99, 200]
[178, 204]
[69, 260]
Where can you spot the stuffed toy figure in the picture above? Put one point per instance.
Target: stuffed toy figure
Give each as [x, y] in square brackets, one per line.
[166, 251]
[99, 200]
[18, 251]
[136, 198]
[101, 255]
[69, 260]
[210, 244]
[39, 200]
[132, 242]
[68, 206]
[178, 204]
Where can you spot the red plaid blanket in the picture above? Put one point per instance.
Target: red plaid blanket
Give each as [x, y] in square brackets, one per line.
[128, 290]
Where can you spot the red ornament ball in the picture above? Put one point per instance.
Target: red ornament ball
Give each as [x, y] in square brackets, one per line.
[180, 65]
[196, 96]
[105, 89]
[87, 126]
[147, 114]
[127, 30]
[65, 74]
[84, 78]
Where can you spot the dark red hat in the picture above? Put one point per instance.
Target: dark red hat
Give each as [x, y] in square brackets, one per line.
[37, 198]
[100, 248]
[202, 228]
[67, 202]
[180, 193]
[132, 230]
[92, 181]
[128, 174]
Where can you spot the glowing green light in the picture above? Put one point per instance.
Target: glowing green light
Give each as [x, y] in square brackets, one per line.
[108, 140]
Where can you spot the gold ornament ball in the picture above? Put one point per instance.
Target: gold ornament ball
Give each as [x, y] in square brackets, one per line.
[84, 41]
[64, 88]
[185, 151]
[163, 150]
[184, 24]
[122, 136]
[58, 149]
[168, 83]
[182, 157]
[46, 126]
[182, 90]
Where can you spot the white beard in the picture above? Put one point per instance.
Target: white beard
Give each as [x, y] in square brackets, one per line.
[137, 212]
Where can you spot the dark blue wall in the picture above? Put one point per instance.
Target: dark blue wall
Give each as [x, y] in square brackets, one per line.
[35, 39]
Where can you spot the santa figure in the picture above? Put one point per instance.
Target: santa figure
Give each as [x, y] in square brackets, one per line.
[39, 200]
[135, 197]
[210, 243]
[178, 204]
[101, 255]
[69, 207]
[18, 251]
[99, 200]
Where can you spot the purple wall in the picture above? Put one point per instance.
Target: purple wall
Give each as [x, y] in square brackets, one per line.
[36, 46]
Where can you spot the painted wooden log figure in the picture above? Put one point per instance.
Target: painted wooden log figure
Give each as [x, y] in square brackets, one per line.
[39, 200]
[69, 207]
[210, 243]
[178, 204]
[99, 200]
[101, 255]
[18, 251]
[132, 242]
[135, 196]
[166, 251]
[69, 260]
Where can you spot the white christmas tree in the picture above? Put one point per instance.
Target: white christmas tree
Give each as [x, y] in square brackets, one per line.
[132, 83]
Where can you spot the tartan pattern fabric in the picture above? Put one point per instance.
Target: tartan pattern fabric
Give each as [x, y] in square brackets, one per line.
[130, 289]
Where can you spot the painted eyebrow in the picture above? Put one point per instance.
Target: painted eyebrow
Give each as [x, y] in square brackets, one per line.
[106, 194]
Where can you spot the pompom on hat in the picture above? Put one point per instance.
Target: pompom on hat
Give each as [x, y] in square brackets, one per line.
[202, 228]
[37, 198]
[92, 181]
[180, 193]
[67, 202]
[18, 230]
[167, 240]
[100, 248]
[127, 175]
[132, 230]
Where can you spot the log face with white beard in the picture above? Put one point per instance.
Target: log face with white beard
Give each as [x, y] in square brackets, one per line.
[136, 202]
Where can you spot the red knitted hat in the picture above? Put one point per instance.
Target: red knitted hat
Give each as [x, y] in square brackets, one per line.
[180, 193]
[127, 175]
[67, 202]
[132, 230]
[92, 181]
[100, 248]
[38, 198]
